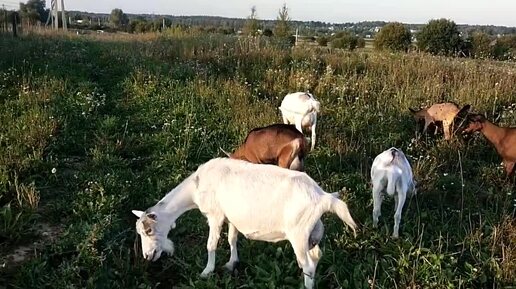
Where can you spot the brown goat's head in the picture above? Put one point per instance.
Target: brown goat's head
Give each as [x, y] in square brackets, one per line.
[418, 114]
[461, 118]
[475, 122]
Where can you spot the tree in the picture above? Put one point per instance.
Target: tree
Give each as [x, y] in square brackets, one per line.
[439, 36]
[393, 36]
[504, 47]
[118, 18]
[282, 28]
[481, 45]
[34, 11]
[251, 26]
[139, 25]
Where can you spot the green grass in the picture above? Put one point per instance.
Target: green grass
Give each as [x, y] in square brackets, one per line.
[93, 127]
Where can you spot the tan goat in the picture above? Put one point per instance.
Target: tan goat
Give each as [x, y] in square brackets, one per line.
[502, 138]
[445, 112]
[278, 144]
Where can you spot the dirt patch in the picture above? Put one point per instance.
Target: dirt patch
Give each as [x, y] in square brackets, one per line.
[47, 234]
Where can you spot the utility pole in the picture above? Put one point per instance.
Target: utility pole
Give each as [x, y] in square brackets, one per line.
[54, 11]
[4, 25]
[163, 23]
[15, 23]
[63, 14]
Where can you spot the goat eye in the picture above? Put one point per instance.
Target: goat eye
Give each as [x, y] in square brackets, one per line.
[148, 231]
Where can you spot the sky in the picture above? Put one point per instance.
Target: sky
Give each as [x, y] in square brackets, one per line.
[485, 12]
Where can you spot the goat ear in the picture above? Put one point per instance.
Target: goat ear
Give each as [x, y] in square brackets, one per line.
[137, 213]
[225, 152]
[412, 110]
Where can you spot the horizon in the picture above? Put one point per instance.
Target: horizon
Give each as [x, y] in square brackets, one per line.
[476, 14]
[462, 12]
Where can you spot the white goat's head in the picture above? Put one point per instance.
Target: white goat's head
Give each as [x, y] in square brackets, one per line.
[153, 236]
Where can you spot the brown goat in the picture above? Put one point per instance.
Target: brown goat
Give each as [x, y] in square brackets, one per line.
[278, 144]
[445, 112]
[502, 138]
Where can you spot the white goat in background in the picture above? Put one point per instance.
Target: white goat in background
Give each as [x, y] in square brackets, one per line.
[263, 202]
[300, 109]
[392, 172]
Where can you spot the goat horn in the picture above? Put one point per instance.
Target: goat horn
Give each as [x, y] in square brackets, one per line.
[225, 152]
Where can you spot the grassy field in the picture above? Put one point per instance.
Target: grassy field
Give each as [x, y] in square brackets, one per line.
[92, 127]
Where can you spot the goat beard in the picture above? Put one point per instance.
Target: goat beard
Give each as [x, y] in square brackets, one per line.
[168, 247]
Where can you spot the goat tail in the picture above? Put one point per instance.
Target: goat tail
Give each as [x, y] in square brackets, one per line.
[394, 153]
[339, 207]
[225, 152]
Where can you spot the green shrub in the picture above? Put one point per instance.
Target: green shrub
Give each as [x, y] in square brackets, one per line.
[394, 37]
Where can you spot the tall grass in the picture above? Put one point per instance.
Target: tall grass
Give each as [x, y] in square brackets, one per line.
[94, 126]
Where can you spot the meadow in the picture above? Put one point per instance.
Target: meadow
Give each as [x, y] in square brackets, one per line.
[92, 127]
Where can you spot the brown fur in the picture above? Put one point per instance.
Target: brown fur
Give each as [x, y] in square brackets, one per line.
[502, 138]
[446, 113]
[277, 144]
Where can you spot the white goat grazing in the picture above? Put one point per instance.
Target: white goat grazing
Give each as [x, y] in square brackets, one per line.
[392, 172]
[300, 109]
[263, 202]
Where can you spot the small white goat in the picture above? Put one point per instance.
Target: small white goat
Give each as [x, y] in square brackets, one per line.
[300, 109]
[392, 172]
[263, 202]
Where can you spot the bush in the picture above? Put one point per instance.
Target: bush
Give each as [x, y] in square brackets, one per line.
[485, 46]
[267, 32]
[322, 40]
[505, 47]
[394, 37]
[440, 37]
[345, 40]
[360, 42]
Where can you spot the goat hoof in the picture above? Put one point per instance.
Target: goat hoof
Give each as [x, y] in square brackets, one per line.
[230, 266]
[205, 274]
[231, 269]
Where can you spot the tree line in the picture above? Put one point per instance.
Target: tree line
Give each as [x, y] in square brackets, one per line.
[442, 37]
[438, 36]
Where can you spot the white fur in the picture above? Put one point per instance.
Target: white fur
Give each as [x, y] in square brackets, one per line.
[393, 175]
[263, 202]
[300, 109]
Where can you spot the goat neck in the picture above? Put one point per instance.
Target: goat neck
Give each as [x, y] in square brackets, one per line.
[177, 201]
[493, 133]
